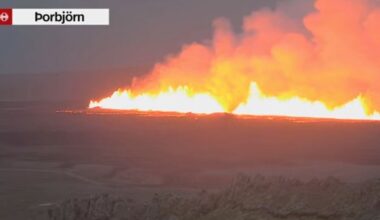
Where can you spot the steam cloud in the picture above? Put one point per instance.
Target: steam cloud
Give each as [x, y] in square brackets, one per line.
[331, 55]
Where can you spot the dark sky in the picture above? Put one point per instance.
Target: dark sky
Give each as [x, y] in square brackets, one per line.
[141, 33]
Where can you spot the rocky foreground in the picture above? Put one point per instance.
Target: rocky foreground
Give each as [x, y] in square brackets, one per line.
[247, 198]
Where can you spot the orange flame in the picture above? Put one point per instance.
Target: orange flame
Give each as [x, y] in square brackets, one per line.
[259, 104]
[173, 100]
[183, 101]
[325, 66]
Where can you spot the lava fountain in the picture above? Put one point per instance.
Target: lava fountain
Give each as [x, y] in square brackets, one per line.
[326, 65]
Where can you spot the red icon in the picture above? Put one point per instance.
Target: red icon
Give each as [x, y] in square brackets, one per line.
[5, 16]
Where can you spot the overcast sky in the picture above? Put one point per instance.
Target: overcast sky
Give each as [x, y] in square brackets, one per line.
[141, 33]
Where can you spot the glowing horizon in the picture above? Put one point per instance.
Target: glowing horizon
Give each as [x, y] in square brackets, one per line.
[181, 100]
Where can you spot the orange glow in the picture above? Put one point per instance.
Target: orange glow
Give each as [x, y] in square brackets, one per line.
[178, 100]
[326, 65]
[182, 100]
[259, 104]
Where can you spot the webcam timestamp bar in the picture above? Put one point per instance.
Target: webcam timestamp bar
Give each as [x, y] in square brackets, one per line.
[50, 16]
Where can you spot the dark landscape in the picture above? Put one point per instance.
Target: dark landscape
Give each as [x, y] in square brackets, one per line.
[49, 156]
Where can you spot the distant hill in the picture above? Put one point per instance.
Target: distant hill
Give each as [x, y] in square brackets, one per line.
[64, 86]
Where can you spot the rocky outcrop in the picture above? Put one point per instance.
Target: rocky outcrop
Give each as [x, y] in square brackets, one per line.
[247, 198]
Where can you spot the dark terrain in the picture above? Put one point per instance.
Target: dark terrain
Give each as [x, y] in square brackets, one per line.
[261, 198]
[47, 156]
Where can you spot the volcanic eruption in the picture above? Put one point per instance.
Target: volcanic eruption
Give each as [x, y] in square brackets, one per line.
[325, 65]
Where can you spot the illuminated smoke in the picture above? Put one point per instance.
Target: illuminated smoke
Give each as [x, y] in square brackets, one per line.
[331, 56]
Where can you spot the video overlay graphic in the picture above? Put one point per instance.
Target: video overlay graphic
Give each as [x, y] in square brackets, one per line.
[9, 16]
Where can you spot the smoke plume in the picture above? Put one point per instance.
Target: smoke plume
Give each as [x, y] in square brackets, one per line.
[331, 54]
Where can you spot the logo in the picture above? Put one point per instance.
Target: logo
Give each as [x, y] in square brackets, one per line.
[54, 16]
[5, 16]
